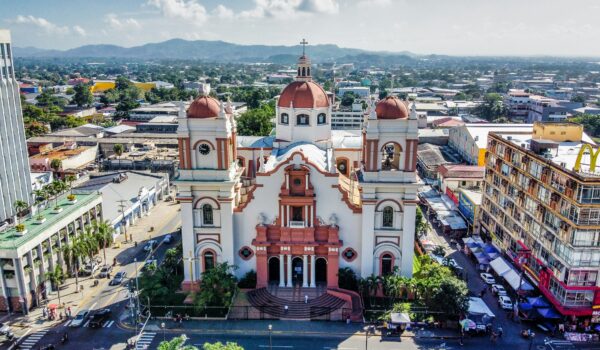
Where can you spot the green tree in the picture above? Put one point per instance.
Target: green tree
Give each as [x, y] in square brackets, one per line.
[104, 233]
[256, 122]
[20, 207]
[217, 286]
[578, 98]
[176, 344]
[420, 223]
[451, 297]
[55, 164]
[348, 99]
[56, 277]
[591, 123]
[83, 96]
[221, 346]
[492, 107]
[347, 279]
[118, 149]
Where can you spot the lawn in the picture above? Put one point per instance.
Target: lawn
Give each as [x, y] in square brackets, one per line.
[416, 264]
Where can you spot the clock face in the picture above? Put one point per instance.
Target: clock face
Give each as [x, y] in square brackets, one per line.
[204, 149]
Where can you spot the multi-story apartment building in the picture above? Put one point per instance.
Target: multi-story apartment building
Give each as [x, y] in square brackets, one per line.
[15, 182]
[518, 104]
[348, 118]
[541, 205]
[544, 109]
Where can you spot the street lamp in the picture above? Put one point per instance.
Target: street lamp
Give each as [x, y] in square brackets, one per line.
[367, 328]
[162, 325]
[270, 338]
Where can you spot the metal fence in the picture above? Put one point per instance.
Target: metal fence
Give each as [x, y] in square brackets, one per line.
[247, 313]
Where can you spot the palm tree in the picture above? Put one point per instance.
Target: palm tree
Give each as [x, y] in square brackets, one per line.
[118, 149]
[20, 206]
[104, 232]
[56, 277]
[69, 179]
[79, 249]
[372, 287]
[56, 164]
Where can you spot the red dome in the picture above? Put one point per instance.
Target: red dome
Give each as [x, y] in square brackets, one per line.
[391, 107]
[204, 107]
[303, 94]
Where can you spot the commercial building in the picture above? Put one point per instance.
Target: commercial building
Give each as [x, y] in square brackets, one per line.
[360, 91]
[159, 125]
[34, 247]
[541, 205]
[452, 177]
[15, 182]
[73, 158]
[518, 104]
[127, 196]
[469, 202]
[146, 113]
[470, 140]
[348, 118]
[544, 109]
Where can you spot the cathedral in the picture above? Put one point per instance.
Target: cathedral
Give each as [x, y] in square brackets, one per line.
[300, 204]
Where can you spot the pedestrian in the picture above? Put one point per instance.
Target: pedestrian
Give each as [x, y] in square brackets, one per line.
[44, 312]
[285, 309]
[306, 299]
[69, 311]
[462, 336]
[500, 331]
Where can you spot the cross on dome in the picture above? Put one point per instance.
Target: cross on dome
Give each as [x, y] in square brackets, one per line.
[303, 43]
[304, 64]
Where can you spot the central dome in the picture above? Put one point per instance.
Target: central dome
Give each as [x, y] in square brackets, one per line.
[204, 107]
[303, 94]
[391, 107]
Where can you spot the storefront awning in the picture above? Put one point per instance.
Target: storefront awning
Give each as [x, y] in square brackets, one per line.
[500, 266]
[478, 307]
[513, 279]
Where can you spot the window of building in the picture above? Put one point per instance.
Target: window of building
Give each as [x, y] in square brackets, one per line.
[581, 278]
[209, 260]
[387, 264]
[302, 119]
[349, 254]
[207, 214]
[388, 217]
[246, 253]
[285, 119]
[297, 214]
[321, 119]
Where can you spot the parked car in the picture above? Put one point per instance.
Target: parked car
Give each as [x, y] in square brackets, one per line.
[104, 271]
[118, 279]
[505, 302]
[498, 289]
[487, 278]
[89, 269]
[168, 239]
[80, 318]
[99, 317]
[150, 245]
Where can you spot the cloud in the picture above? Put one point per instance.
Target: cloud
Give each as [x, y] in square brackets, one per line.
[117, 23]
[79, 30]
[42, 23]
[222, 11]
[188, 10]
[285, 8]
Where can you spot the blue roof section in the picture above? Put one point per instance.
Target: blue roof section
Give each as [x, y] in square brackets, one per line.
[255, 141]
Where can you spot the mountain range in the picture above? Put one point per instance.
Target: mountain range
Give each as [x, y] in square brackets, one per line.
[205, 50]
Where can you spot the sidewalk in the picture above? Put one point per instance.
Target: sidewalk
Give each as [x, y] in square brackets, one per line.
[160, 215]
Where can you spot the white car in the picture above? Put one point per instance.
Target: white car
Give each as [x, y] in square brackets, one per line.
[505, 302]
[80, 318]
[498, 289]
[487, 278]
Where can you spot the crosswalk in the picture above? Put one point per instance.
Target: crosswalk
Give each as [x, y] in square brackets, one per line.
[145, 340]
[33, 339]
[106, 324]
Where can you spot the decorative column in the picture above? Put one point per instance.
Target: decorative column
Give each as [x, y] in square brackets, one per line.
[262, 278]
[313, 278]
[408, 238]
[188, 239]
[281, 271]
[367, 244]
[304, 271]
[289, 270]
[332, 267]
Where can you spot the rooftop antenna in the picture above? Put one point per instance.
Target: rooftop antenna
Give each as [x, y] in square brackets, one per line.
[303, 43]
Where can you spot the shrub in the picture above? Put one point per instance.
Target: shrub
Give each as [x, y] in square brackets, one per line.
[248, 281]
[71, 197]
[20, 227]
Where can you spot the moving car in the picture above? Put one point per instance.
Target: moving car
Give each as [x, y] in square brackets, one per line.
[150, 245]
[118, 279]
[498, 289]
[99, 317]
[168, 239]
[505, 302]
[487, 278]
[80, 318]
[104, 271]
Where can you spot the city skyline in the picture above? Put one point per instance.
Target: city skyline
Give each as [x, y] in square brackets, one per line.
[461, 27]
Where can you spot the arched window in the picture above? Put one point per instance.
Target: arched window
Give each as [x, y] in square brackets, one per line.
[298, 71]
[209, 261]
[303, 71]
[284, 118]
[302, 119]
[207, 214]
[388, 217]
[308, 71]
[387, 264]
[321, 119]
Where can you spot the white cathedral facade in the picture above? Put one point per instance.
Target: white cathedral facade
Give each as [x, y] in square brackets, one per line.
[297, 206]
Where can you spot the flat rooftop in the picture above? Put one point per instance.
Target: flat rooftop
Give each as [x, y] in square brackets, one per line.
[9, 239]
[61, 153]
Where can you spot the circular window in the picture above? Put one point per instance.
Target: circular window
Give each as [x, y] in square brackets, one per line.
[342, 167]
[246, 253]
[297, 182]
[349, 254]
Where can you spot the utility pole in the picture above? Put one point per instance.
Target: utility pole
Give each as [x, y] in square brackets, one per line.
[122, 207]
[137, 292]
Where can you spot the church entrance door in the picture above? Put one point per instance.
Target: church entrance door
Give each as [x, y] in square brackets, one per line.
[297, 270]
[321, 270]
[274, 270]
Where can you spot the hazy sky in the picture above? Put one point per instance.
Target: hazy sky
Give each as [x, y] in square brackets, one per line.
[458, 27]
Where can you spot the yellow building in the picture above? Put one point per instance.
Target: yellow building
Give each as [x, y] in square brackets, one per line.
[103, 85]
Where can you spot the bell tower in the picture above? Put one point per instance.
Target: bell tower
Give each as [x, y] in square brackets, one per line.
[304, 64]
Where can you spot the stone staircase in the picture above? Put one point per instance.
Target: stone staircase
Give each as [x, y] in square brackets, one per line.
[274, 305]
